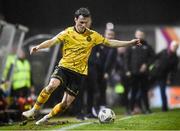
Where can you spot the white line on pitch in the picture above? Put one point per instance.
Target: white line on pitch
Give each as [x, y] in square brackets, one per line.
[88, 123]
[74, 126]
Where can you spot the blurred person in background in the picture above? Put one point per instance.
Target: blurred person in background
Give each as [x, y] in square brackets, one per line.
[21, 82]
[100, 64]
[138, 59]
[78, 42]
[21, 79]
[10, 60]
[123, 83]
[163, 70]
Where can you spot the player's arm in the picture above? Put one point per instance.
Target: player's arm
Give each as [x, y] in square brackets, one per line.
[117, 43]
[45, 44]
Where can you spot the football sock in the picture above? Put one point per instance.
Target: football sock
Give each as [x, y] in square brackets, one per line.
[42, 98]
[57, 109]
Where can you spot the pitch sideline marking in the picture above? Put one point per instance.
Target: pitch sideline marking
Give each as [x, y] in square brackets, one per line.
[128, 117]
[88, 123]
[74, 126]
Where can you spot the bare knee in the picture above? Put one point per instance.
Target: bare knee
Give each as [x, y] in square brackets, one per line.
[53, 84]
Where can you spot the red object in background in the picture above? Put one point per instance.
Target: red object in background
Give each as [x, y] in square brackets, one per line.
[174, 97]
[21, 102]
[24, 103]
[3, 104]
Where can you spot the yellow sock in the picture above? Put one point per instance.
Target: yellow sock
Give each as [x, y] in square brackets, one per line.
[42, 98]
[57, 109]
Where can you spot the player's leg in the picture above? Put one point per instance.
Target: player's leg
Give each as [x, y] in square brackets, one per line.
[43, 97]
[59, 108]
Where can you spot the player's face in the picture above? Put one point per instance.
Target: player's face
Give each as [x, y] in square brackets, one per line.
[81, 23]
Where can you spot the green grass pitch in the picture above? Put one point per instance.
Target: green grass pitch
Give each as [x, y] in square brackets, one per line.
[156, 121]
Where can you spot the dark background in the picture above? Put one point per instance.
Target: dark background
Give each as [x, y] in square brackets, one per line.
[46, 14]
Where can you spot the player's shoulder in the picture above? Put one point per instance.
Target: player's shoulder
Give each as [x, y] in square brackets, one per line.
[65, 31]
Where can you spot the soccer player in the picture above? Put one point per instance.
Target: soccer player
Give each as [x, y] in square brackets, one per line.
[78, 42]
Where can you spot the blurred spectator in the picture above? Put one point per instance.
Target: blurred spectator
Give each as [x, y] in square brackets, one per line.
[104, 58]
[164, 69]
[138, 59]
[8, 65]
[21, 79]
[123, 81]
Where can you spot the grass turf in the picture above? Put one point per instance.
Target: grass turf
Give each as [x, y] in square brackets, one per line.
[156, 121]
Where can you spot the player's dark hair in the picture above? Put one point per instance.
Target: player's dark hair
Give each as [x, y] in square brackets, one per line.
[82, 11]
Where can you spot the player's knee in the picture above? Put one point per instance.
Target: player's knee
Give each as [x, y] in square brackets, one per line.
[51, 87]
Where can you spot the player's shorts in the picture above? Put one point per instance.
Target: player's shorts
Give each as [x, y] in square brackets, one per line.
[70, 80]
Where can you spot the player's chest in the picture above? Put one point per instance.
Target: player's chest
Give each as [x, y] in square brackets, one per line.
[79, 40]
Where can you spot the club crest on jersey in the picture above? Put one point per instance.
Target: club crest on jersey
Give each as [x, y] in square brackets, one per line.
[88, 38]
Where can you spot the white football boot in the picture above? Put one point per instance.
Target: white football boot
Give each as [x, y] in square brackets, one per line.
[29, 114]
[43, 120]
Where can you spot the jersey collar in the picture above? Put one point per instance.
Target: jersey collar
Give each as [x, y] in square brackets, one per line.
[79, 32]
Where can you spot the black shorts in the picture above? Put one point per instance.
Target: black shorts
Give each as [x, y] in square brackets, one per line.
[70, 80]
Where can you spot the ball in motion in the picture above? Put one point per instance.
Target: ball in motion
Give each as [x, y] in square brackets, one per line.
[106, 115]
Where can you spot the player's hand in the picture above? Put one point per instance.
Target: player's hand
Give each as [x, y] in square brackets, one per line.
[34, 49]
[136, 42]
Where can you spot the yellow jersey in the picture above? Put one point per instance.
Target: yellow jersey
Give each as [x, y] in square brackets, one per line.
[77, 48]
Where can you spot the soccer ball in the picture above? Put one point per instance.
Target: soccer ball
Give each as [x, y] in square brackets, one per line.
[106, 115]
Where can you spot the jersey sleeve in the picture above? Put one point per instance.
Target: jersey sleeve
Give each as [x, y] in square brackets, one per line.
[99, 39]
[60, 37]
